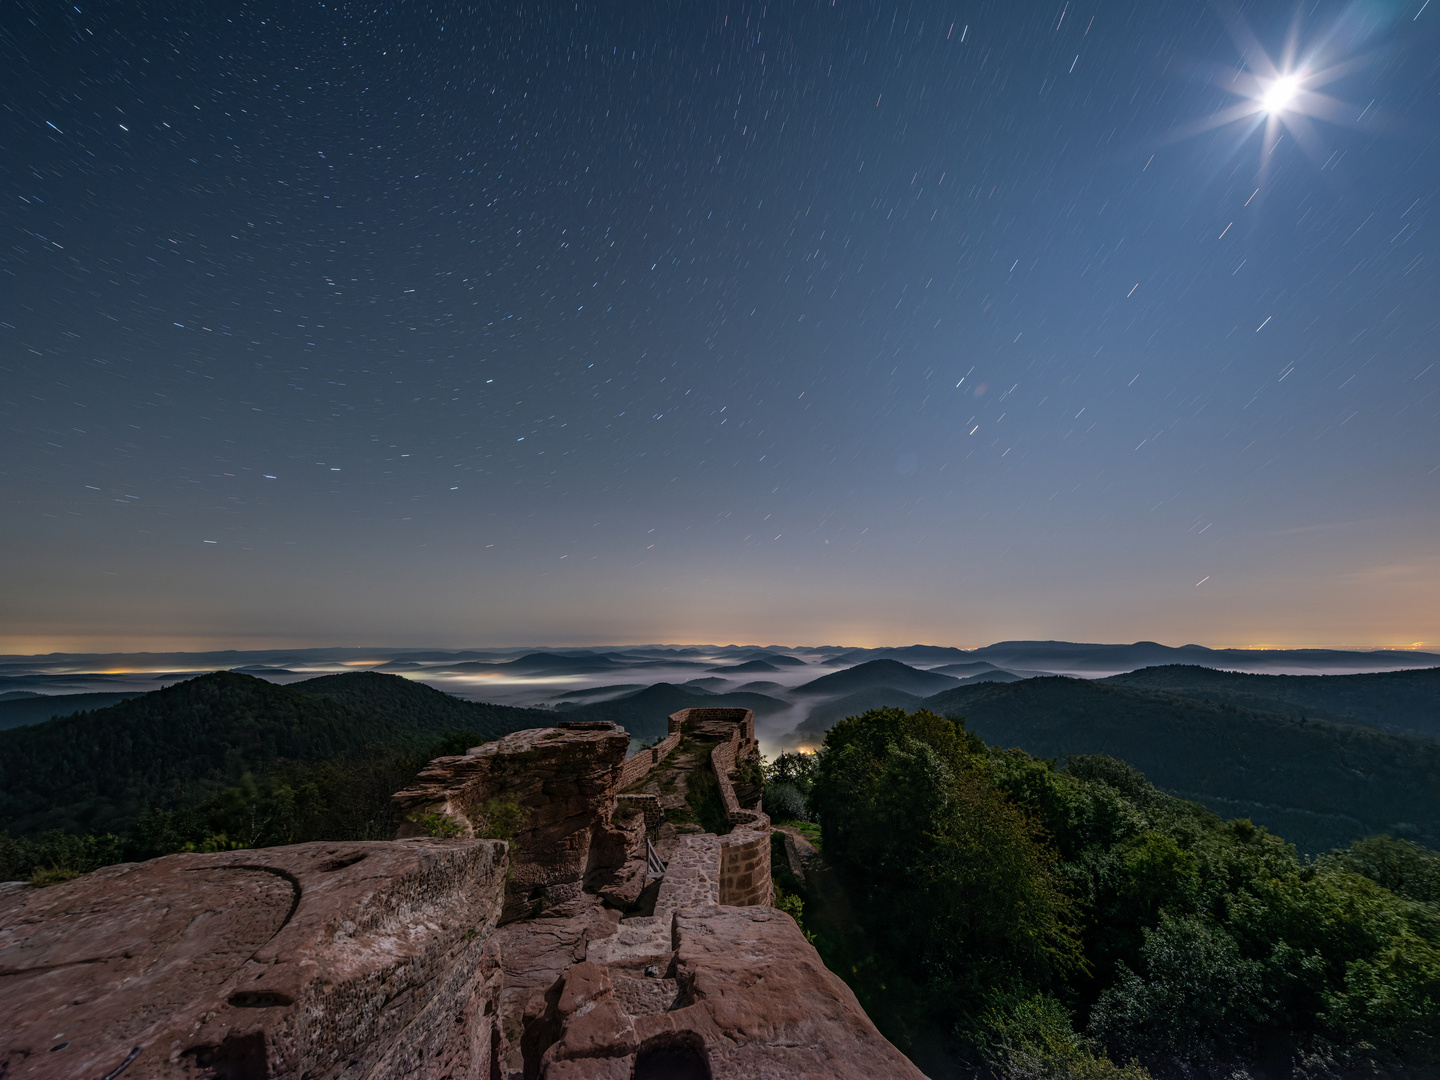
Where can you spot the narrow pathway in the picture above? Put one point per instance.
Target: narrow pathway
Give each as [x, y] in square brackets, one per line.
[669, 781]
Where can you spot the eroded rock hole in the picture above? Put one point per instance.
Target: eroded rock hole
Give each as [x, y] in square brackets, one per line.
[679, 1060]
[259, 999]
[237, 1058]
[341, 862]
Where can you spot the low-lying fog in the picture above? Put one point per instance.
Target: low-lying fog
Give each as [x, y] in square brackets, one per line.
[776, 680]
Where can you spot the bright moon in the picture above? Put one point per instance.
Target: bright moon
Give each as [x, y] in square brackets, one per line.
[1280, 93]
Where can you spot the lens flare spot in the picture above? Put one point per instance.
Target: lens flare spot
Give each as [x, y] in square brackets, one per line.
[1280, 94]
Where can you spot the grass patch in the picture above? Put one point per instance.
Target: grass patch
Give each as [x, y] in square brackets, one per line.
[53, 875]
[810, 831]
[681, 815]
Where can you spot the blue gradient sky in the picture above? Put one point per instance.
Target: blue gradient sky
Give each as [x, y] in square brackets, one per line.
[811, 322]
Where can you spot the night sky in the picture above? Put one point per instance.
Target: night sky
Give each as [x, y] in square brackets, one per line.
[804, 322]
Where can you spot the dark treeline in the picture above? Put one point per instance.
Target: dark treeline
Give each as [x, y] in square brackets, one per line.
[226, 760]
[1078, 922]
[1403, 701]
[344, 798]
[1318, 783]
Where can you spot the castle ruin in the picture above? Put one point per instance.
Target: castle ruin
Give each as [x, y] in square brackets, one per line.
[609, 936]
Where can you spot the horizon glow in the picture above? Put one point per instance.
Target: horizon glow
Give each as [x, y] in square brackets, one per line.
[592, 325]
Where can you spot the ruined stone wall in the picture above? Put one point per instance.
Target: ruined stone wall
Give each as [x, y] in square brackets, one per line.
[638, 765]
[722, 760]
[647, 805]
[745, 852]
[743, 719]
[745, 865]
[563, 781]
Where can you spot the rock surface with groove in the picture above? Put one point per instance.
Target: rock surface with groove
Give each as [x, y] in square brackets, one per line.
[431, 959]
[320, 960]
[740, 995]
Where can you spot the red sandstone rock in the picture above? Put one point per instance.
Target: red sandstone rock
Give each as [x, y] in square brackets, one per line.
[317, 960]
[377, 961]
[563, 778]
[747, 998]
[766, 1006]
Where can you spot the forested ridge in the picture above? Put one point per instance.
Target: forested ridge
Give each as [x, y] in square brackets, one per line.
[1400, 701]
[1044, 919]
[1318, 783]
[97, 772]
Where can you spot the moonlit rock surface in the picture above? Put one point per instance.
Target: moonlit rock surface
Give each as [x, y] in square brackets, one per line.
[322, 960]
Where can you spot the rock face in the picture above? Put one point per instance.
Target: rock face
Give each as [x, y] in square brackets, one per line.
[444, 959]
[564, 780]
[740, 995]
[316, 960]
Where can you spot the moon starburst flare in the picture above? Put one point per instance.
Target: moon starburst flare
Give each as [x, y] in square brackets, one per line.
[1281, 95]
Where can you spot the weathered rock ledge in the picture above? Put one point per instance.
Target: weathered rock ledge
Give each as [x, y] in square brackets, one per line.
[316, 960]
[444, 959]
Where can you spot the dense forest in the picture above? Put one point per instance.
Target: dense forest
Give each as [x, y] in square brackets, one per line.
[226, 760]
[1402, 701]
[1318, 783]
[1076, 921]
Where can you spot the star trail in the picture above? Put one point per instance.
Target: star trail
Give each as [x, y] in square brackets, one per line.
[815, 322]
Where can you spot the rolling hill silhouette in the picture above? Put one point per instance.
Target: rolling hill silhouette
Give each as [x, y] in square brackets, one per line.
[874, 675]
[1080, 656]
[749, 667]
[37, 708]
[1404, 701]
[908, 654]
[95, 770]
[643, 714]
[1318, 784]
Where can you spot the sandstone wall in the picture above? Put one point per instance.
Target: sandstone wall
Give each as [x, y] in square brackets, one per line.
[323, 961]
[736, 994]
[638, 765]
[744, 719]
[745, 865]
[745, 852]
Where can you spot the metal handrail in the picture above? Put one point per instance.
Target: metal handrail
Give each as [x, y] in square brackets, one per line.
[654, 867]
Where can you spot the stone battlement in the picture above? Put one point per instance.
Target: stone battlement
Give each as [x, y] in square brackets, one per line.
[638, 766]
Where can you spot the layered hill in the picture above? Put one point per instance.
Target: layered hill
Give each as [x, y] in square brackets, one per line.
[37, 708]
[907, 654]
[1402, 701]
[1082, 656]
[1317, 783]
[875, 675]
[750, 666]
[92, 772]
[643, 714]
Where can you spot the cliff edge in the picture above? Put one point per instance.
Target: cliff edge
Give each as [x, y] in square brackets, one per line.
[570, 950]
